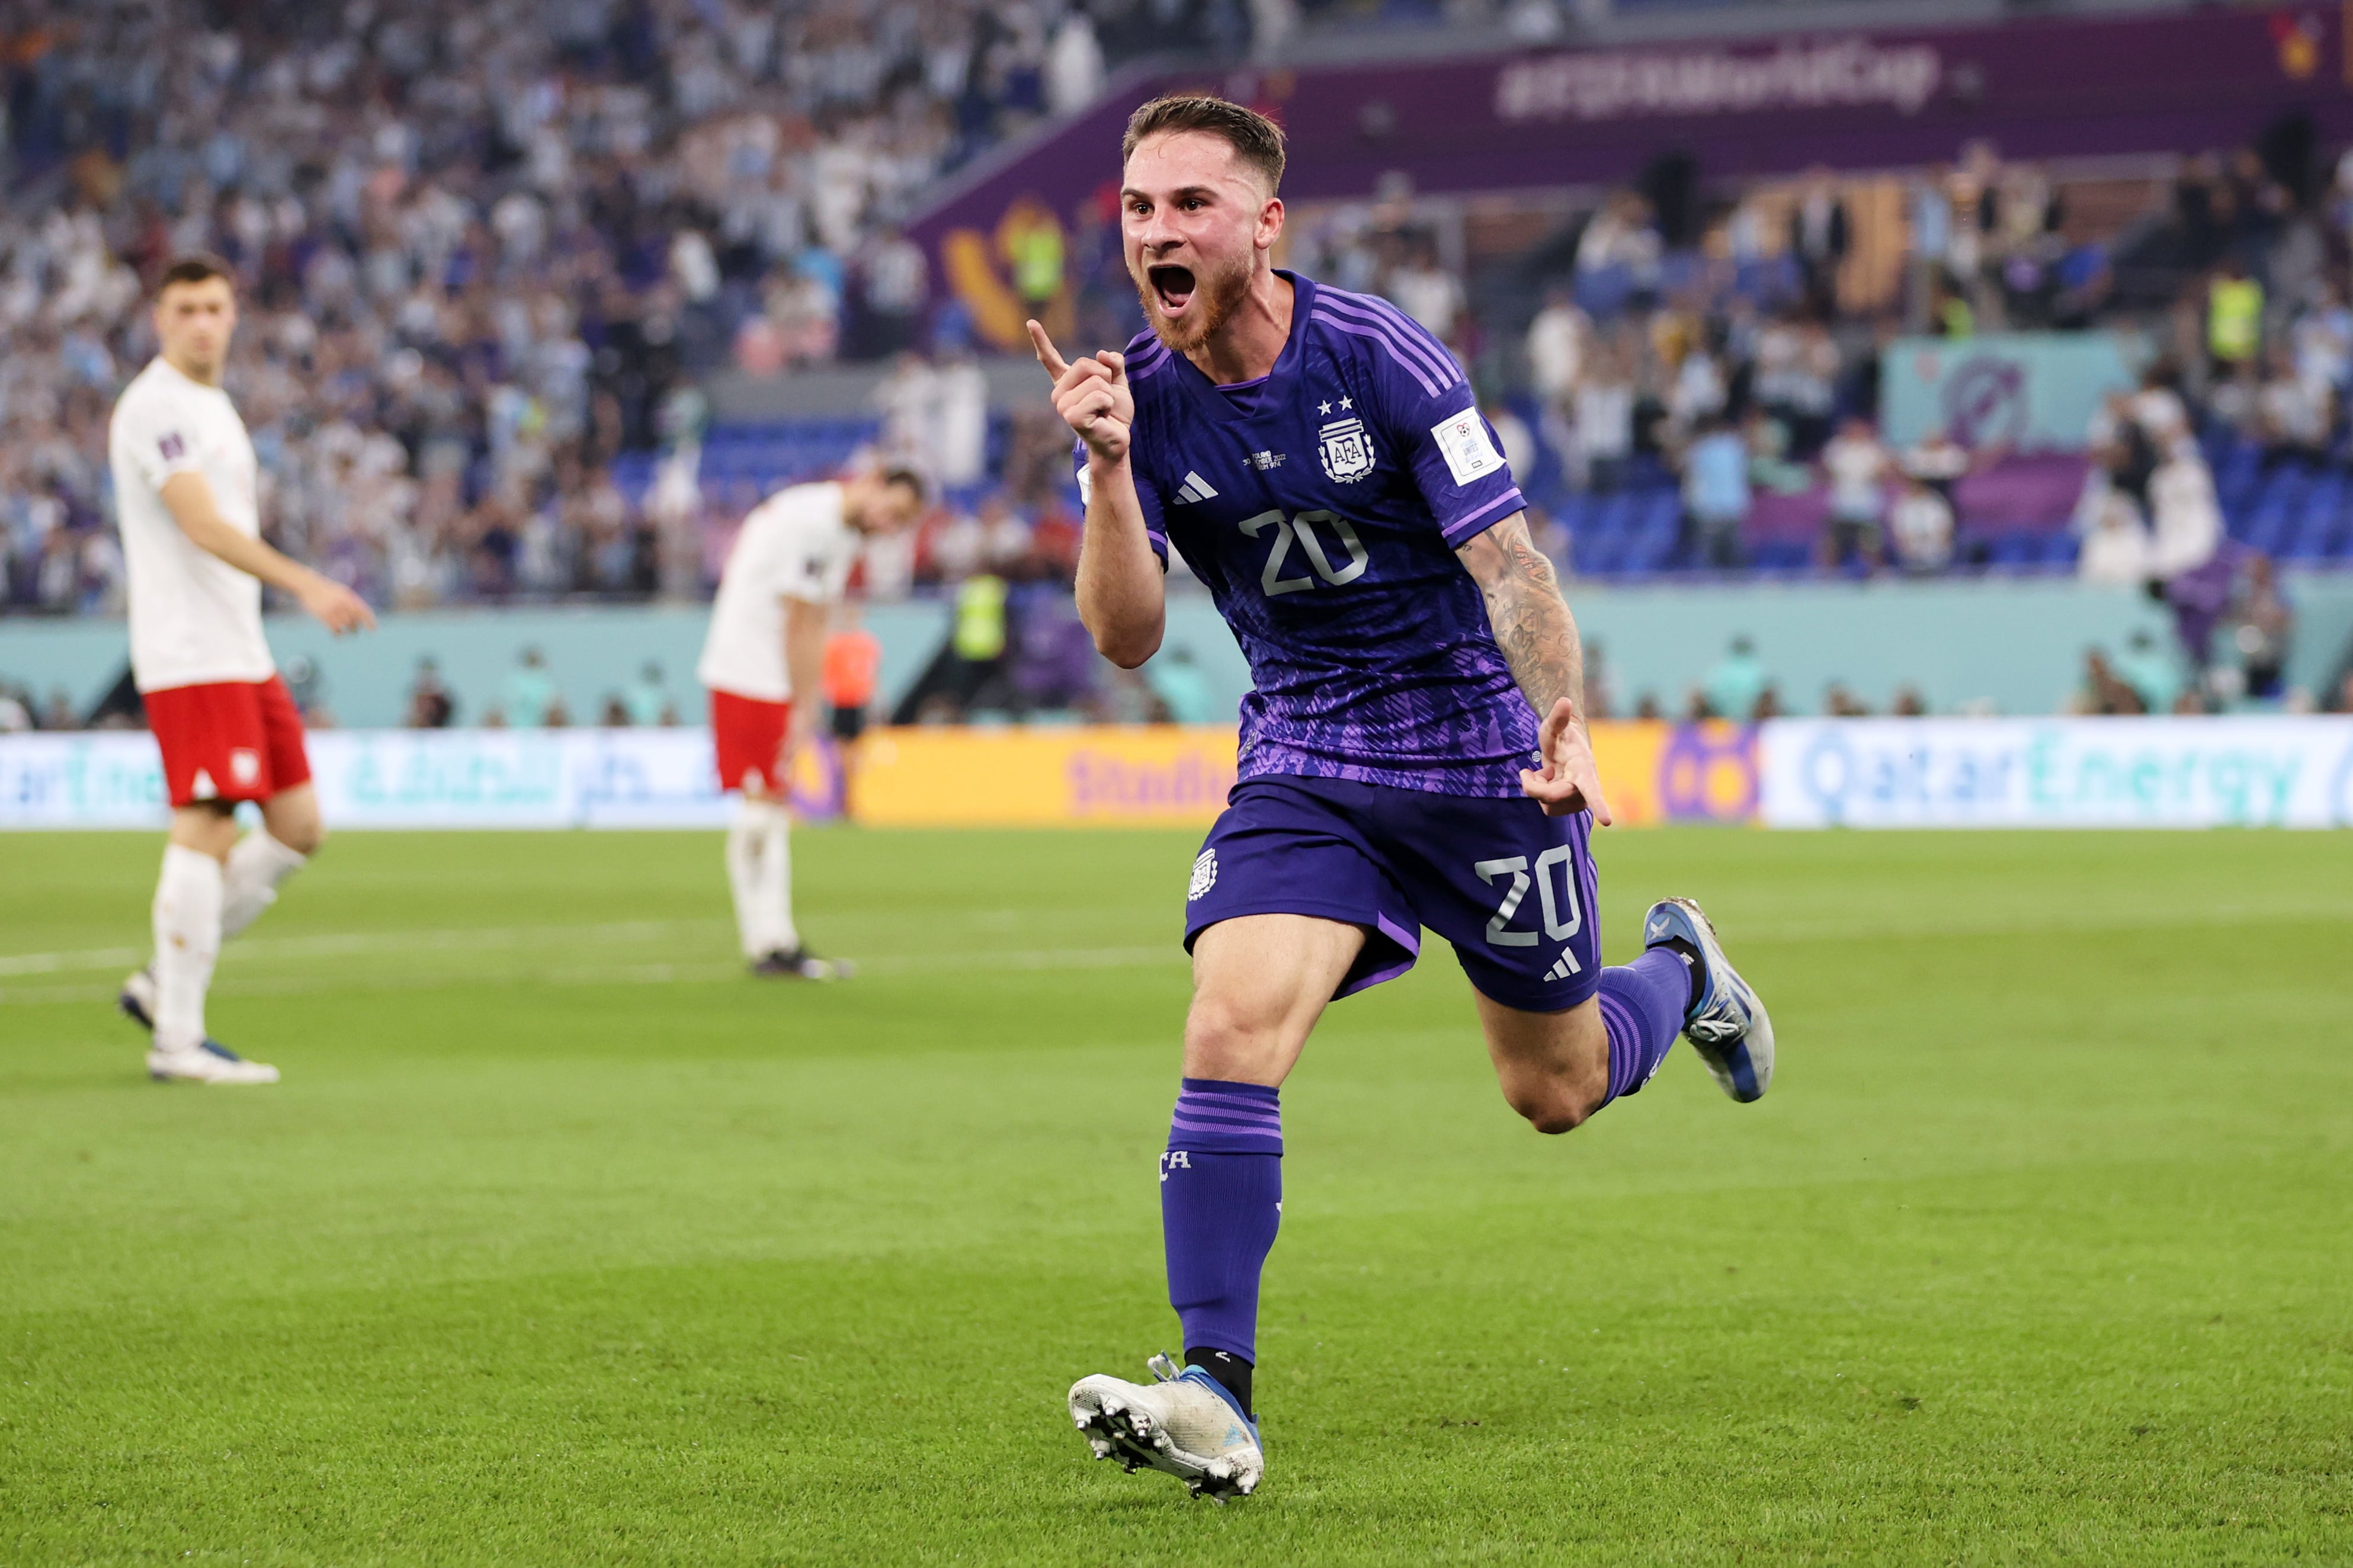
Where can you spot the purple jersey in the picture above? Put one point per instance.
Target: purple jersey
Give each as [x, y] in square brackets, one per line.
[1322, 506]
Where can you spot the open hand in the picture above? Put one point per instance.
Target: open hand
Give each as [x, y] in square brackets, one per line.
[1569, 782]
[1092, 395]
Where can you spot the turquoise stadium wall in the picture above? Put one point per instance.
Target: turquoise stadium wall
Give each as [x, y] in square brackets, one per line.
[2016, 645]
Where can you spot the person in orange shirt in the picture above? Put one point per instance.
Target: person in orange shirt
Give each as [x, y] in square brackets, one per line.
[853, 662]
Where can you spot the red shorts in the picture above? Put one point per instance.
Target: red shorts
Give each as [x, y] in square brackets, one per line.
[747, 733]
[231, 740]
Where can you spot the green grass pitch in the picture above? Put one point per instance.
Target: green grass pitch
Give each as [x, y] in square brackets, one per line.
[562, 1242]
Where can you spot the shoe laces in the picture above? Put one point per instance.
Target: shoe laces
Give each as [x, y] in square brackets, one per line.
[1722, 1021]
[1164, 1368]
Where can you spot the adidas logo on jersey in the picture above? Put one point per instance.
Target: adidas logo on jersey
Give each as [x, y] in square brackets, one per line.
[1565, 967]
[203, 787]
[1195, 489]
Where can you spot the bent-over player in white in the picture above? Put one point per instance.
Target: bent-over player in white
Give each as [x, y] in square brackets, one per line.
[185, 487]
[762, 661]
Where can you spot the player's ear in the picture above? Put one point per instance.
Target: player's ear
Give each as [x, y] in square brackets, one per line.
[1269, 223]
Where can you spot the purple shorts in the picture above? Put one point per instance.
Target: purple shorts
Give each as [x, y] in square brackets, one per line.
[1510, 887]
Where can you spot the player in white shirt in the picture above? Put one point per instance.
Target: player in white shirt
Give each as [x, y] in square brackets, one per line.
[185, 493]
[766, 647]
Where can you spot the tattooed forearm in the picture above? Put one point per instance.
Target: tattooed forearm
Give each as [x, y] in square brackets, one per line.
[1531, 620]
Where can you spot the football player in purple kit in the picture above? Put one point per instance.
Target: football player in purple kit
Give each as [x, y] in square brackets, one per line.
[1413, 754]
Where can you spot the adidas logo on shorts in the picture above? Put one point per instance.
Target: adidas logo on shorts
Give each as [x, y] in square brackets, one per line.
[1566, 966]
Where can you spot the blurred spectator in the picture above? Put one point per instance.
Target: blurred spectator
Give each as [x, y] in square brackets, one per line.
[2185, 519]
[1600, 682]
[530, 694]
[1716, 496]
[1181, 689]
[2340, 700]
[648, 701]
[1622, 236]
[2266, 628]
[2104, 691]
[1838, 702]
[853, 665]
[960, 456]
[1605, 421]
[1908, 703]
[1732, 686]
[1557, 344]
[1856, 466]
[1511, 432]
[2234, 315]
[1425, 291]
[2294, 416]
[895, 286]
[968, 673]
[1075, 64]
[1938, 461]
[995, 539]
[2115, 551]
[1820, 235]
[16, 717]
[2151, 671]
[1920, 526]
[430, 704]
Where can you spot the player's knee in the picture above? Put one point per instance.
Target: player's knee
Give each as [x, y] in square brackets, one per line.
[1222, 1041]
[1553, 1105]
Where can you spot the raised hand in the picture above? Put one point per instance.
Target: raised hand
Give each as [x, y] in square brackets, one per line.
[1091, 394]
[1569, 782]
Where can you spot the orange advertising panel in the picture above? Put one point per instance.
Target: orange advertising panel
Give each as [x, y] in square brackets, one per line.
[1178, 776]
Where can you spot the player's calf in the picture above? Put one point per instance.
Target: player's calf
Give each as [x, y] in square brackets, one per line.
[1553, 1068]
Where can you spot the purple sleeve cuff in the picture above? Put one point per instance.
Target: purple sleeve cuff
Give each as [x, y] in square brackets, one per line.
[1459, 532]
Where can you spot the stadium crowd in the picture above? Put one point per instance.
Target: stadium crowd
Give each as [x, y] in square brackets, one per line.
[488, 250]
[484, 247]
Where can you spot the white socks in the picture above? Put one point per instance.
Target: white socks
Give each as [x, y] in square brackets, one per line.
[760, 875]
[256, 867]
[188, 899]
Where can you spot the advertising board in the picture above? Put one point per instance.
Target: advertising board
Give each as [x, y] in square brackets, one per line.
[2237, 772]
[1134, 776]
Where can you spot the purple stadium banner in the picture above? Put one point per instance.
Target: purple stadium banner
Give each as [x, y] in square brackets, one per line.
[2044, 89]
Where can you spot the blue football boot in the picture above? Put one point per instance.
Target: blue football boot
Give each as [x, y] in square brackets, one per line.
[1727, 1026]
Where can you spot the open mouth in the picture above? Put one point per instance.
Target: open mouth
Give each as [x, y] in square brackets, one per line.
[1172, 287]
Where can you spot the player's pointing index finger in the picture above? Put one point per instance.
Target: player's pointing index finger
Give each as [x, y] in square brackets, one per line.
[1048, 355]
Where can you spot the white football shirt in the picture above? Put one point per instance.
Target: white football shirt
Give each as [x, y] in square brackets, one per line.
[194, 618]
[796, 544]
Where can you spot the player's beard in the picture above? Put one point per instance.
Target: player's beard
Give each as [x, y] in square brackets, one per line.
[1217, 294]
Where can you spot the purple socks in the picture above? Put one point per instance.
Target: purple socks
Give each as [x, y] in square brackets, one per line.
[1220, 1201]
[1642, 1004]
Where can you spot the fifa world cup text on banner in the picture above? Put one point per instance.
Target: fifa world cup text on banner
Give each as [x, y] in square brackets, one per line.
[2084, 772]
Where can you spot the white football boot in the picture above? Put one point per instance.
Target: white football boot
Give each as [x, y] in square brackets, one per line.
[1186, 1424]
[1727, 1026]
[210, 1062]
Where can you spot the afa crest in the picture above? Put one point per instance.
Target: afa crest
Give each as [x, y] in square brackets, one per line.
[1346, 448]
